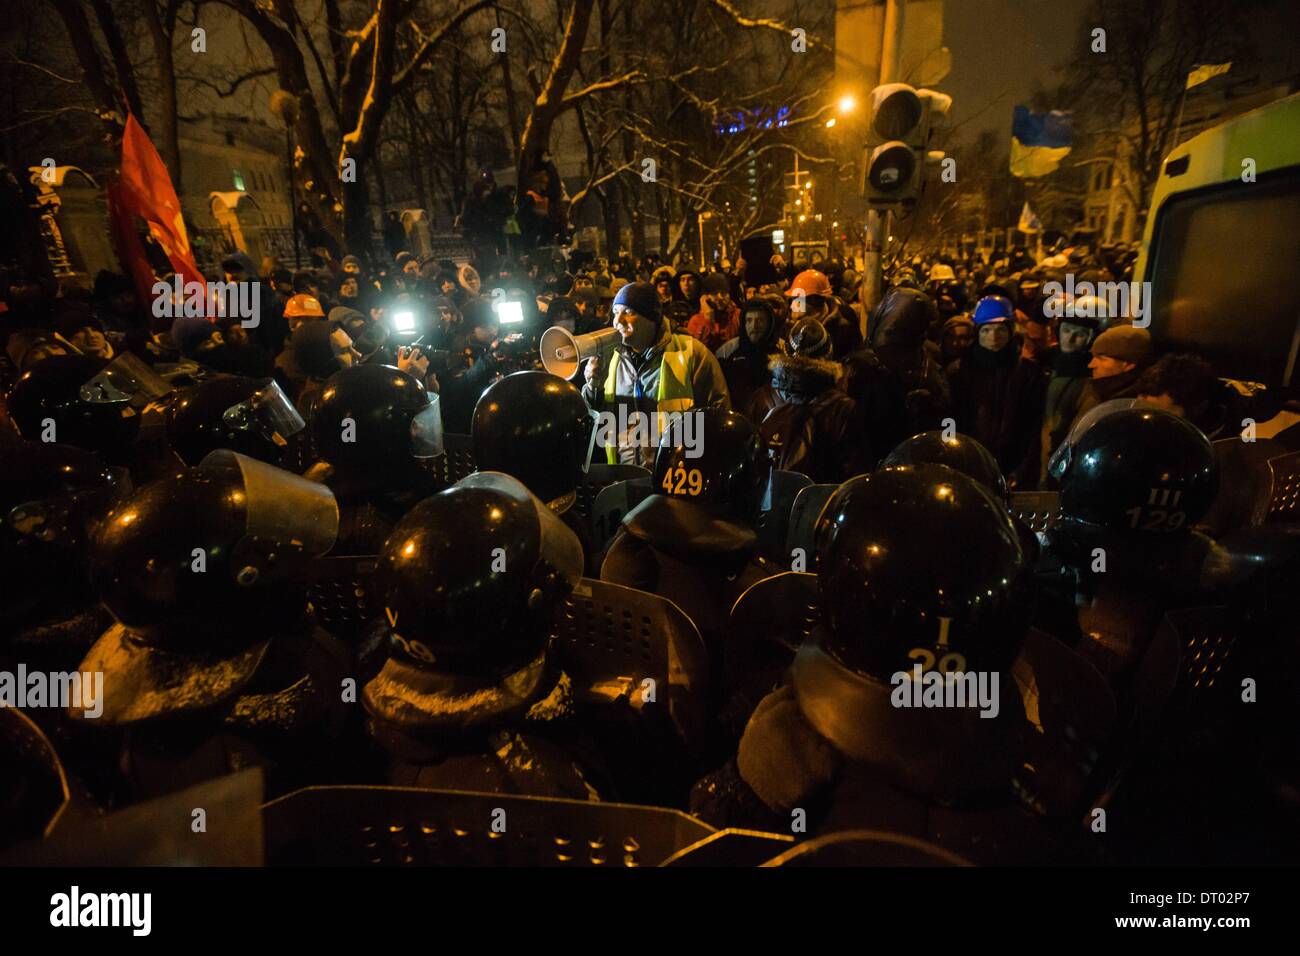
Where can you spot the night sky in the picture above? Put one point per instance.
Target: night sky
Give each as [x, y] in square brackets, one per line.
[1002, 49]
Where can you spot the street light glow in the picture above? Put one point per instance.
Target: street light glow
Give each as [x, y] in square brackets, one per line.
[830, 122]
[848, 103]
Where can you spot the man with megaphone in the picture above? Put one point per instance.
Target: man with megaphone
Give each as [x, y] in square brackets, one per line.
[652, 371]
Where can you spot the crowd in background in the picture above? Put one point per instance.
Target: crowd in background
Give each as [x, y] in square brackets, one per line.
[831, 384]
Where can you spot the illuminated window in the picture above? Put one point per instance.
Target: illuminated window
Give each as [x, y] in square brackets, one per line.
[239, 179]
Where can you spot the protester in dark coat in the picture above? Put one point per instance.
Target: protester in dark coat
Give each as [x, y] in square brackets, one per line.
[814, 428]
[897, 382]
[981, 379]
[745, 358]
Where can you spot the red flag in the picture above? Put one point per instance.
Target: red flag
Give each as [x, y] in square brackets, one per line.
[130, 251]
[145, 189]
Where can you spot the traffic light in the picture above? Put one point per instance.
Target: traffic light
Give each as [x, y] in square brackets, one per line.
[902, 122]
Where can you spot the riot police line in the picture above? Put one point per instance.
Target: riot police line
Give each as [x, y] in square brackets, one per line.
[331, 598]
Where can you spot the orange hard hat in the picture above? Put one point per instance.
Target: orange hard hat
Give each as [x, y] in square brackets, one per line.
[809, 282]
[301, 304]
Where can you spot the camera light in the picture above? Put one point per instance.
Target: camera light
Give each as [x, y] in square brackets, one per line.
[404, 321]
[510, 313]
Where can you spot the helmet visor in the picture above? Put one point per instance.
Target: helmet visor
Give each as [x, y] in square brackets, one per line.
[268, 412]
[591, 440]
[280, 506]
[558, 546]
[426, 430]
[125, 380]
[1060, 461]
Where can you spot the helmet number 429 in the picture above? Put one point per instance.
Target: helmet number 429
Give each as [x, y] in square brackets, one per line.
[679, 481]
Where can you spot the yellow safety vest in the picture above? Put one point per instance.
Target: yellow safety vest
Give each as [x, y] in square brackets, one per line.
[675, 393]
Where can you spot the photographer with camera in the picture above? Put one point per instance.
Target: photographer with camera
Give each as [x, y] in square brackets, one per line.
[466, 371]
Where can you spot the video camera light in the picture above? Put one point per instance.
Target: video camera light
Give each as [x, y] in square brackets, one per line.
[404, 322]
[509, 312]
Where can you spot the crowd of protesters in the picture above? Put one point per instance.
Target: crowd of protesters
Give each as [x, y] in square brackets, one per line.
[831, 384]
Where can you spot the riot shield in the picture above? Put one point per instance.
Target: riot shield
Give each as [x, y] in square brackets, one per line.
[162, 833]
[807, 508]
[455, 462]
[620, 643]
[866, 848]
[774, 519]
[1037, 509]
[612, 503]
[599, 477]
[1283, 507]
[397, 826]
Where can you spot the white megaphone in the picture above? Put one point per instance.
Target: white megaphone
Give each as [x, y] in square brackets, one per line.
[563, 352]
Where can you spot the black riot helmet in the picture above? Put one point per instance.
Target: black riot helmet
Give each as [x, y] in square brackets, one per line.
[1138, 469]
[251, 416]
[50, 496]
[472, 577]
[709, 483]
[212, 555]
[33, 782]
[373, 421]
[51, 391]
[535, 427]
[961, 452]
[711, 459]
[919, 564]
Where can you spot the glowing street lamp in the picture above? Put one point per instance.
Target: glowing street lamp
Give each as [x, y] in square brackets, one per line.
[847, 103]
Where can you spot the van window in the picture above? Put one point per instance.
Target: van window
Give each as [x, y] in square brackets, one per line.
[1223, 277]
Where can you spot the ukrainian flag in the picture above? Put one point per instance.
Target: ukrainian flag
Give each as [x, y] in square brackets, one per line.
[1039, 141]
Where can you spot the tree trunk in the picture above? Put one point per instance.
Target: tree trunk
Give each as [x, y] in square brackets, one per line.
[92, 71]
[550, 101]
[609, 210]
[357, 225]
[512, 108]
[168, 127]
[121, 61]
[317, 169]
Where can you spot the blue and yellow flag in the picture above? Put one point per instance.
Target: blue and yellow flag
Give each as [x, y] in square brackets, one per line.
[1039, 141]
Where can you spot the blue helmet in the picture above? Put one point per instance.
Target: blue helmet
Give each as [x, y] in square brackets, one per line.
[994, 308]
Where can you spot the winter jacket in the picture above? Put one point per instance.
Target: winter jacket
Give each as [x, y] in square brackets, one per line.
[461, 385]
[1022, 448]
[897, 381]
[703, 565]
[830, 742]
[456, 732]
[711, 332]
[815, 429]
[842, 325]
[981, 396]
[1098, 390]
[1061, 402]
[745, 367]
[1119, 609]
[694, 380]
